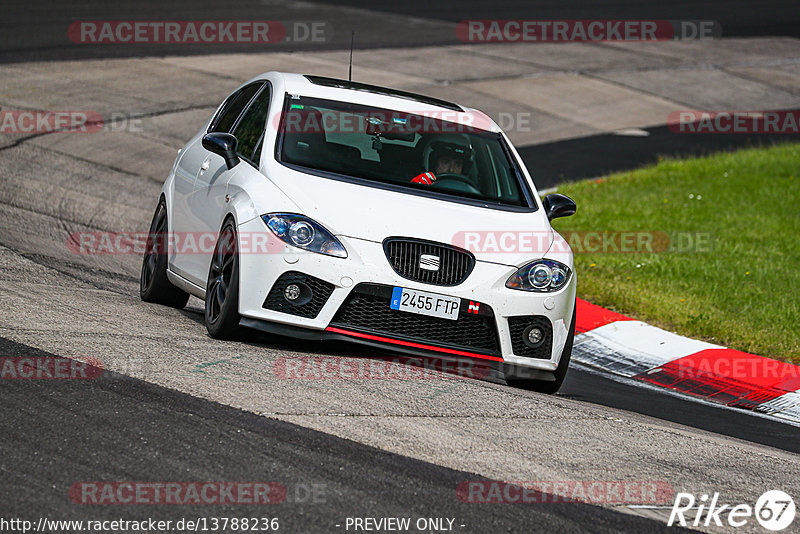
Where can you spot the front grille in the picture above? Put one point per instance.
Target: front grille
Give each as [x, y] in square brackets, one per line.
[403, 254]
[367, 310]
[320, 292]
[517, 326]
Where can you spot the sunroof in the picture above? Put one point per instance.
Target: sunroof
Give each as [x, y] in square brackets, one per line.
[356, 86]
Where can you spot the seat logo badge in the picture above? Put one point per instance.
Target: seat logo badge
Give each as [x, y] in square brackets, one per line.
[429, 262]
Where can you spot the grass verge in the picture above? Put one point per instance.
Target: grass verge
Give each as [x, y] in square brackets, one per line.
[731, 274]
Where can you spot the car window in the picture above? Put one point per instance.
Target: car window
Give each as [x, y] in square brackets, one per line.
[400, 150]
[257, 152]
[230, 111]
[252, 124]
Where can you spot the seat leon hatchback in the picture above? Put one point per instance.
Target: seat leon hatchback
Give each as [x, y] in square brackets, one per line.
[321, 208]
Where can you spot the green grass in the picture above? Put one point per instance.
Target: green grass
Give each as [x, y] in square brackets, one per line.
[745, 292]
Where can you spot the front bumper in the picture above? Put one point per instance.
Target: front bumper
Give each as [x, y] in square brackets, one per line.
[366, 270]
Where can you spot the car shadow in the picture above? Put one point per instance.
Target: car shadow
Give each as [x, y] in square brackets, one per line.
[343, 349]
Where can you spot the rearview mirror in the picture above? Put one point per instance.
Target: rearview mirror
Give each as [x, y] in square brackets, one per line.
[222, 144]
[557, 205]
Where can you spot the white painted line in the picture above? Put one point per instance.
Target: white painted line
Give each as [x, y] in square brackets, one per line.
[632, 132]
[786, 407]
[629, 348]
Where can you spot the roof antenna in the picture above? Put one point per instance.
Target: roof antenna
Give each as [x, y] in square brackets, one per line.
[352, 38]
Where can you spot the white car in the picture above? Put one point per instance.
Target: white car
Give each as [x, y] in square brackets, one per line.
[327, 209]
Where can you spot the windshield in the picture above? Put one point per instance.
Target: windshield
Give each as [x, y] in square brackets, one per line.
[413, 152]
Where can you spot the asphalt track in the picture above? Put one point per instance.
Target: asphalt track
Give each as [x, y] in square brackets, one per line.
[591, 386]
[176, 405]
[120, 428]
[598, 155]
[35, 30]
[738, 18]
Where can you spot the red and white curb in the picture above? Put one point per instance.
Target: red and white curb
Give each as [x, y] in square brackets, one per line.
[625, 347]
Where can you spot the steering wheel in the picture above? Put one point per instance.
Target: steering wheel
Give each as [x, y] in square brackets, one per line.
[455, 182]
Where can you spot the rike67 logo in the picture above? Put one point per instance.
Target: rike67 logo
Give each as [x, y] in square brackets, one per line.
[774, 510]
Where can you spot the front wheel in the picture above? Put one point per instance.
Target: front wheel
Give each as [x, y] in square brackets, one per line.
[222, 287]
[154, 286]
[561, 371]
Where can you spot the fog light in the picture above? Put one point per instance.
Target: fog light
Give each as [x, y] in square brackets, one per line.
[533, 336]
[291, 292]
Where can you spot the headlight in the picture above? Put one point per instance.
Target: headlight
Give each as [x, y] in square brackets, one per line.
[304, 233]
[301, 233]
[540, 275]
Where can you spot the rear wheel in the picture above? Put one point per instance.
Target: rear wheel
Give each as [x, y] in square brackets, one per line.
[222, 288]
[154, 286]
[561, 371]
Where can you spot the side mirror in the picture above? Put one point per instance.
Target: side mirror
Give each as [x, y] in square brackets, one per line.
[556, 205]
[223, 144]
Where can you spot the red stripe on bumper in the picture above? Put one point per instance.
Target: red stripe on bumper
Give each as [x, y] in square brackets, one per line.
[412, 344]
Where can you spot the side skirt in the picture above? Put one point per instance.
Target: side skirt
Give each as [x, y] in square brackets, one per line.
[182, 283]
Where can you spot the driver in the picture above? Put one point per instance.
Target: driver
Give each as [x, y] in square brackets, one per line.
[445, 155]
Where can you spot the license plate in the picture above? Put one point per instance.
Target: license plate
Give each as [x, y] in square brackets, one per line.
[425, 303]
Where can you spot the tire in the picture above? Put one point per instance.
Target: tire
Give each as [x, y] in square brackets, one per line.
[222, 287]
[542, 386]
[154, 286]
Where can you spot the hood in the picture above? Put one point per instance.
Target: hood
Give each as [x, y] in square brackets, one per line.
[373, 214]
